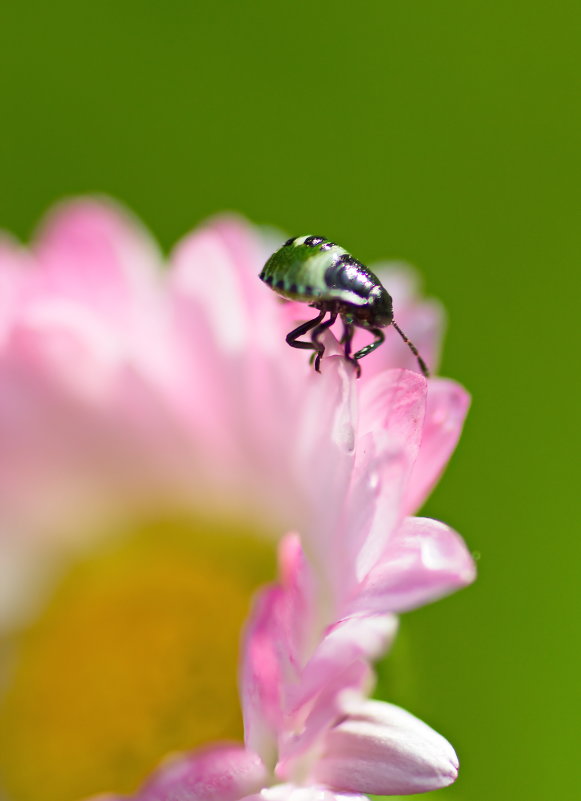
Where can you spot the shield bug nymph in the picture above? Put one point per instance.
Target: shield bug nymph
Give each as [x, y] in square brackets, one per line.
[313, 270]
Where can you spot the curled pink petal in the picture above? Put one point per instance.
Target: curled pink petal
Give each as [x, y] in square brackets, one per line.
[424, 560]
[385, 750]
[447, 406]
[220, 773]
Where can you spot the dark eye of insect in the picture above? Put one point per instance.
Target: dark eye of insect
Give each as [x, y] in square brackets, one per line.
[338, 286]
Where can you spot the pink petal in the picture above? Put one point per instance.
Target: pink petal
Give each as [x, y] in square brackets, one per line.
[67, 346]
[394, 402]
[251, 374]
[260, 675]
[236, 303]
[249, 251]
[310, 418]
[303, 618]
[383, 749]
[339, 668]
[321, 455]
[353, 641]
[219, 773]
[93, 252]
[308, 724]
[424, 561]
[81, 425]
[446, 410]
[230, 331]
[392, 410]
[291, 792]
[97, 269]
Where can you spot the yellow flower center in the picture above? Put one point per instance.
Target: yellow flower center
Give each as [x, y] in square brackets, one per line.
[134, 656]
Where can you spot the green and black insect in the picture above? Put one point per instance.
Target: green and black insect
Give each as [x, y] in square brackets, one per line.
[316, 271]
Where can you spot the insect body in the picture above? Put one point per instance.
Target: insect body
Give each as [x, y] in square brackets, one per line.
[316, 271]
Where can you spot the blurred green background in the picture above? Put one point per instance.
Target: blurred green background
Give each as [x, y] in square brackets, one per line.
[444, 133]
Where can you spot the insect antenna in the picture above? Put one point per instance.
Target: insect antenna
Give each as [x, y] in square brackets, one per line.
[414, 350]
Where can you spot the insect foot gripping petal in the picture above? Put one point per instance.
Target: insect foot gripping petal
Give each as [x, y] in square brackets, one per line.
[317, 344]
[346, 342]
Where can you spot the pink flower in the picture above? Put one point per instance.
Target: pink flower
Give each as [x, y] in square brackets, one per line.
[127, 391]
[311, 731]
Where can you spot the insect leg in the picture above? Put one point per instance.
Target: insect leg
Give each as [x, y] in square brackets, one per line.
[302, 329]
[380, 337]
[346, 341]
[318, 346]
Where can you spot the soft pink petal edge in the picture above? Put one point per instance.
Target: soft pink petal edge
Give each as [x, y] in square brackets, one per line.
[446, 409]
[385, 750]
[424, 560]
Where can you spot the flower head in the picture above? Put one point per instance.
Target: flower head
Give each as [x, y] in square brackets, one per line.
[143, 406]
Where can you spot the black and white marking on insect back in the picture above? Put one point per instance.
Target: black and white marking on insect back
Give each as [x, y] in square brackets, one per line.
[319, 272]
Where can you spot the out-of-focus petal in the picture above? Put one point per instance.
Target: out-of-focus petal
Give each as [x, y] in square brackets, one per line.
[98, 259]
[79, 424]
[446, 409]
[96, 254]
[217, 267]
[62, 344]
[86, 355]
[220, 773]
[385, 750]
[424, 561]
[229, 331]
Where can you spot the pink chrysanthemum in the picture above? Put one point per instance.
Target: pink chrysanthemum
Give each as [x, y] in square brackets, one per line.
[157, 436]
